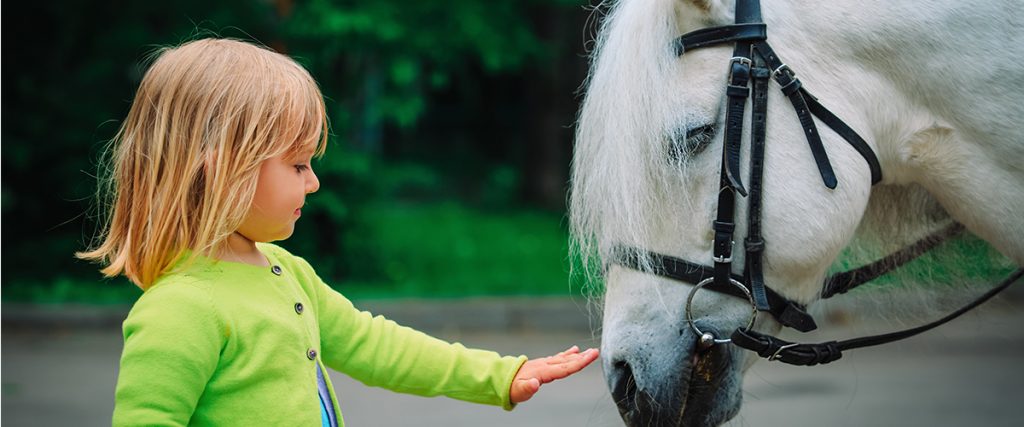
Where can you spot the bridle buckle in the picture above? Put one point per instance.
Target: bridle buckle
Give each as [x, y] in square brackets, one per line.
[782, 68]
[739, 60]
[724, 259]
[778, 353]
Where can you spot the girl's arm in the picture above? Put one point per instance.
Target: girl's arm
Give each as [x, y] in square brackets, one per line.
[379, 352]
[172, 342]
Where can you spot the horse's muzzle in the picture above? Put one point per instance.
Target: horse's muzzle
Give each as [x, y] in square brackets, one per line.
[690, 397]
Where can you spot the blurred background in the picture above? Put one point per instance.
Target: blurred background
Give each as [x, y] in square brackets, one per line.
[446, 170]
[445, 177]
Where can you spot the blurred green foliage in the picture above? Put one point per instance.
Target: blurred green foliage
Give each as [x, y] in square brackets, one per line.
[964, 260]
[399, 249]
[434, 110]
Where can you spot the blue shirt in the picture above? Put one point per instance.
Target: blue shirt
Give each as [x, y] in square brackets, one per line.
[327, 416]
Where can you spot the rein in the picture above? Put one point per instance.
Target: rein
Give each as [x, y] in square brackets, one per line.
[751, 67]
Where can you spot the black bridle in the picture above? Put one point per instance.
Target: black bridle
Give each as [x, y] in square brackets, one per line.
[752, 65]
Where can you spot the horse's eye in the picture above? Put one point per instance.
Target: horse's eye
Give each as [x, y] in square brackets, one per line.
[695, 141]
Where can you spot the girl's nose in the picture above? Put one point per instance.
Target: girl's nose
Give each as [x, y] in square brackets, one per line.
[312, 183]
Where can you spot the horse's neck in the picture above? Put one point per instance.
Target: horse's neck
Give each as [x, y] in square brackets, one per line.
[939, 55]
[933, 84]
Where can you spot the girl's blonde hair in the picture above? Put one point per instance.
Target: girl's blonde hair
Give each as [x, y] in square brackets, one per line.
[186, 160]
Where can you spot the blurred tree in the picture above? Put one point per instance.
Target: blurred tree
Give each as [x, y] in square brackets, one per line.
[460, 99]
[72, 67]
[470, 88]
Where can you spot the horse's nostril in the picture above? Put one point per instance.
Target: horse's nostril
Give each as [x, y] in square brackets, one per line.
[623, 385]
[635, 406]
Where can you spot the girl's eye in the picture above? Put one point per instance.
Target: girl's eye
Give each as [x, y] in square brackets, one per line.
[301, 168]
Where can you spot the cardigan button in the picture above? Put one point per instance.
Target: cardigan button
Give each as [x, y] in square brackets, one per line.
[276, 270]
[311, 354]
[298, 308]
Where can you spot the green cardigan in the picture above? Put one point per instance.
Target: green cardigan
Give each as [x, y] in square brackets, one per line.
[229, 344]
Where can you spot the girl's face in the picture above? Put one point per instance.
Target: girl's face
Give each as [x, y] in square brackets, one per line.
[281, 191]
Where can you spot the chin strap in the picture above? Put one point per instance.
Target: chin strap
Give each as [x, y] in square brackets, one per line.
[800, 354]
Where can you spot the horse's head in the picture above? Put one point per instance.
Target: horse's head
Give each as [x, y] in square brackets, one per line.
[646, 175]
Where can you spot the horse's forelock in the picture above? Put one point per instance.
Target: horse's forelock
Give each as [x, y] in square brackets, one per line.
[621, 160]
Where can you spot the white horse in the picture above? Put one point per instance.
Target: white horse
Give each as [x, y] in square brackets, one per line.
[934, 87]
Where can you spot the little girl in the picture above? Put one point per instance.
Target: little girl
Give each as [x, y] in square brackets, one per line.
[212, 164]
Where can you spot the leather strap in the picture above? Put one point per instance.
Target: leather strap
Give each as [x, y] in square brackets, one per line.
[807, 105]
[748, 32]
[729, 179]
[851, 137]
[737, 92]
[754, 243]
[786, 312]
[820, 353]
[841, 283]
[791, 88]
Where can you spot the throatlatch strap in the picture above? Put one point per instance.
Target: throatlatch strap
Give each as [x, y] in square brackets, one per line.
[813, 354]
[840, 283]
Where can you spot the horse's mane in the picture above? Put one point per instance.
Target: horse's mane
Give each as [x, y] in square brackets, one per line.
[620, 164]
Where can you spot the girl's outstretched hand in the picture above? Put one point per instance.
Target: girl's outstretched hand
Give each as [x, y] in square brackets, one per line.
[535, 372]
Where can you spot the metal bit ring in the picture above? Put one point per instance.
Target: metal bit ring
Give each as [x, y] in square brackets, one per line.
[706, 339]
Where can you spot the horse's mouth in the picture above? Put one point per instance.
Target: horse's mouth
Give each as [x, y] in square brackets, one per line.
[699, 403]
[696, 405]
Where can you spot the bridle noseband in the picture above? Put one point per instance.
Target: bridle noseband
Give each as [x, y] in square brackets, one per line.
[752, 65]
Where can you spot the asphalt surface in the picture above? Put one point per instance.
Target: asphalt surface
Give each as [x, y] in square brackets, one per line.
[965, 373]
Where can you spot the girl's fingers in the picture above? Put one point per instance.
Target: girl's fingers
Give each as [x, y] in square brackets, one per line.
[570, 350]
[561, 367]
[569, 355]
[563, 356]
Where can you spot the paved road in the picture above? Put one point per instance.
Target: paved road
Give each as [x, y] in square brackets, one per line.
[966, 373]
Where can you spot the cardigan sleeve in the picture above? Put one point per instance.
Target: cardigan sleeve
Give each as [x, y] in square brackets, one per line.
[172, 344]
[379, 352]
